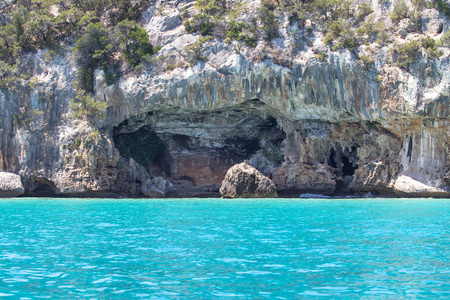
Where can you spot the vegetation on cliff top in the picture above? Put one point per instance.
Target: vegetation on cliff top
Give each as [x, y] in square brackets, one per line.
[106, 34]
[344, 25]
[99, 29]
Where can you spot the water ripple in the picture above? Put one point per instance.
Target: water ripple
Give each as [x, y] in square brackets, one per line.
[216, 248]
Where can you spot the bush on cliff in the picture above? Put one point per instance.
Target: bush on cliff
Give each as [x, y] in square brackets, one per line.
[134, 42]
[199, 23]
[401, 11]
[241, 31]
[407, 54]
[430, 46]
[269, 23]
[84, 105]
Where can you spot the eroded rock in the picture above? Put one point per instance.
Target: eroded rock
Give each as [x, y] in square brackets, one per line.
[10, 185]
[406, 186]
[244, 181]
[157, 187]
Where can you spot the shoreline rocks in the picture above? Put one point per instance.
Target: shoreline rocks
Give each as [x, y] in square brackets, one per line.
[10, 185]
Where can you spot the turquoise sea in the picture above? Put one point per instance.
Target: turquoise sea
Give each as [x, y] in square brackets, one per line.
[224, 249]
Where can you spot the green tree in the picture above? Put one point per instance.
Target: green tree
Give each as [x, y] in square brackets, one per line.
[269, 23]
[134, 42]
[92, 50]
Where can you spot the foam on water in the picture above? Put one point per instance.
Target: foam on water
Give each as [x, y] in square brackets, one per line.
[230, 249]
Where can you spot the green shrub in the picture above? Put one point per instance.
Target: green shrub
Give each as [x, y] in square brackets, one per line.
[363, 10]
[322, 56]
[430, 46]
[445, 39]
[84, 105]
[366, 60]
[408, 54]
[139, 46]
[193, 51]
[269, 23]
[241, 31]
[212, 7]
[401, 11]
[326, 6]
[442, 6]
[199, 23]
[134, 42]
[92, 50]
[341, 34]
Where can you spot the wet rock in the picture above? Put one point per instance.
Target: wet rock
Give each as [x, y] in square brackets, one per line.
[10, 185]
[244, 181]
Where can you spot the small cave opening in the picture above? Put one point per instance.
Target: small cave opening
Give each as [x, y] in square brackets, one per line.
[410, 148]
[42, 188]
[347, 169]
[331, 161]
[345, 163]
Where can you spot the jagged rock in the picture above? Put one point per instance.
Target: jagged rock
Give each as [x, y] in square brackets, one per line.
[406, 186]
[156, 187]
[406, 25]
[244, 181]
[430, 21]
[10, 185]
[302, 178]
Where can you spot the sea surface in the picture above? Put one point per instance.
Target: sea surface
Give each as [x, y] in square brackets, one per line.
[224, 249]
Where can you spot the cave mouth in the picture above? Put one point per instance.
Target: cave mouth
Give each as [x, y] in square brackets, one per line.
[43, 187]
[196, 148]
[143, 145]
[344, 161]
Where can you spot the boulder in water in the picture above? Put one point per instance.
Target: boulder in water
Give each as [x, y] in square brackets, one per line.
[244, 181]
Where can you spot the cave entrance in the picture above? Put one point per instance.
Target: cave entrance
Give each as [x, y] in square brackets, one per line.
[195, 149]
[344, 161]
[144, 146]
[348, 169]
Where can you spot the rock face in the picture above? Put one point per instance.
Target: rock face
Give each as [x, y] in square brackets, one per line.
[10, 185]
[324, 126]
[244, 181]
[157, 187]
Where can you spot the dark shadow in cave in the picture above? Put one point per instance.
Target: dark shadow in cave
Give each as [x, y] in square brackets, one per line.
[344, 161]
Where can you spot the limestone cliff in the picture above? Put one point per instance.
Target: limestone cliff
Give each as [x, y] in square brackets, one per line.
[310, 118]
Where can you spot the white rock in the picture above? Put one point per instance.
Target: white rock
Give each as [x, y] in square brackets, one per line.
[10, 185]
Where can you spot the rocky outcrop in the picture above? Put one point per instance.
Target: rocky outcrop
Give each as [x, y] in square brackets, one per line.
[10, 185]
[322, 124]
[244, 181]
[157, 187]
[406, 186]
